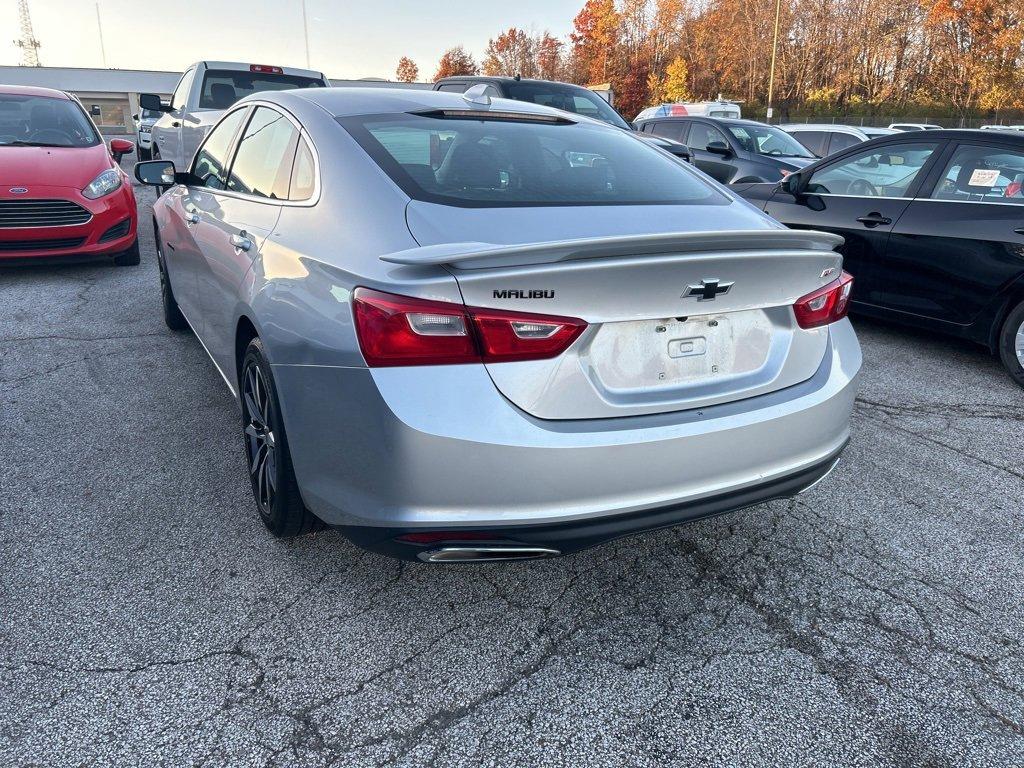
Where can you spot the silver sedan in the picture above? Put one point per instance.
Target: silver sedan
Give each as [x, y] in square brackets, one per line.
[468, 329]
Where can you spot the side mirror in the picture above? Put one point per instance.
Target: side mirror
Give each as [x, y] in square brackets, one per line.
[152, 101]
[119, 148]
[793, 184]
[719, 148]
[156, 173]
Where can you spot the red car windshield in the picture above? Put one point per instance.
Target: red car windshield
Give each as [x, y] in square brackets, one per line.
[43, 121]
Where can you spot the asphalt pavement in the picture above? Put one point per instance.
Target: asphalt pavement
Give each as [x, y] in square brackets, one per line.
[147, 618]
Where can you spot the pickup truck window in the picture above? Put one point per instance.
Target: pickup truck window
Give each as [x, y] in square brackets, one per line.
[222, 87]
[211, 165]
[263, 162]
[180, 98]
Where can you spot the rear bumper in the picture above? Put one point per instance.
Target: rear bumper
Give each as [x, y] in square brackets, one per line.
[92, 238]
[439, 448]
[565, 538]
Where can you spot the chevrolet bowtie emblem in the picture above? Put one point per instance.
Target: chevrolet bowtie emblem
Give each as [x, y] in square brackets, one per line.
[708, 289]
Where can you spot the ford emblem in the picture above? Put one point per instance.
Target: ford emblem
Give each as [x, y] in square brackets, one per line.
[18, 190]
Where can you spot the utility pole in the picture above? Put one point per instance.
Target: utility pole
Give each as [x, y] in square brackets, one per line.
[27, 42]
[99, 25]
[771, 73]
[305, 31]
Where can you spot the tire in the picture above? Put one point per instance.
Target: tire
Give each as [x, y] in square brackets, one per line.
[173, 318]
[266, 449]
[129, 258]
[1011, 344]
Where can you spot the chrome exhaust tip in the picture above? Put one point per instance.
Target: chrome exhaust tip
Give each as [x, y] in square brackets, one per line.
[485, 554]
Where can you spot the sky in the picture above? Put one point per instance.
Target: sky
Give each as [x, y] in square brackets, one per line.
[346, 39]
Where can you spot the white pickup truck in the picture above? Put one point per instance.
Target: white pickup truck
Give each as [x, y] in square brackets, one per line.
[204, 92]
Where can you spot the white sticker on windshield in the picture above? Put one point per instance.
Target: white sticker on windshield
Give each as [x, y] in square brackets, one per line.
[983, 178]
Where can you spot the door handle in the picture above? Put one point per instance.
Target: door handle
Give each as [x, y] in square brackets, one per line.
[192, 217]
[873, 219]
[241, 241]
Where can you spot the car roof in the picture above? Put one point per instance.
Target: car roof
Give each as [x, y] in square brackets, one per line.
[821, 127]
[346, 102]
[244, 66]
[31, 90]
[704, 118]
[506, 79]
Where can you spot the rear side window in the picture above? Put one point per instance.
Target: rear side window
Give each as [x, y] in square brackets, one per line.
[983, 174]
[813, 140]
[263, 162]
[303, 174]
[222, 88]
[675, 131]
[503, 163]
[211, 164]
[842, 141]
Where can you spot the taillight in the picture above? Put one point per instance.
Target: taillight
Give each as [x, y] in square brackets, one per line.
[266, 69]
[826, 305]
[400, 330]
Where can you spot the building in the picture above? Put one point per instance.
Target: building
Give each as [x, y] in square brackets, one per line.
[112, 95]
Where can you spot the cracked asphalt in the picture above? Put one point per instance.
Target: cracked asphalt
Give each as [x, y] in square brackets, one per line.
[147, 618]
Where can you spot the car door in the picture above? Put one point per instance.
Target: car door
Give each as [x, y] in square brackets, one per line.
[961, 240]
[235, 222]
[859, 195]
[167, 131]
[181, 250]
[713, 164]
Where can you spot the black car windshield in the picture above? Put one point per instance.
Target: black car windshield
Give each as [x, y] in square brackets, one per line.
[223, 87]
[44, 121]
[499, 163]
[567, 97]
[766, 140]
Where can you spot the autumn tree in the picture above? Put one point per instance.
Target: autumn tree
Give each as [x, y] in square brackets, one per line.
[549, 57]
[407, 71]
[673, 85]
[594, 37]
[455, 61]
[511, 53]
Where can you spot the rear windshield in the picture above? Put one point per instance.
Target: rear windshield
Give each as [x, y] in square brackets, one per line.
[44, 121]
[498, 163]
[222, 87]
[578, 100]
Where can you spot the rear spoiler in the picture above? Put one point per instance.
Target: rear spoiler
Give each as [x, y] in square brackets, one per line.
[489, 255]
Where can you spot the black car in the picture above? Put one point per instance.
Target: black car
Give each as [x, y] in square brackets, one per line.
[571, 98]
[733, 151]
[934, 228]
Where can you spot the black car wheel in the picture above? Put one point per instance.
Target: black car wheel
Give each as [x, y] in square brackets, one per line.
[266, 450]
[173, 318]
[1011, 344]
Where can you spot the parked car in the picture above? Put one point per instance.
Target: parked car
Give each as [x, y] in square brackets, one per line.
[697, 109]
[62, 192]
[733, 151]
[566, 96]
[204, 92]
[934, 229]
[915, 127]
[672, 147]
[824, 139]
[468, 330]
[144, 120]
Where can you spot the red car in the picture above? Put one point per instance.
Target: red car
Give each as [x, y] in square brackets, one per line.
[62, 192]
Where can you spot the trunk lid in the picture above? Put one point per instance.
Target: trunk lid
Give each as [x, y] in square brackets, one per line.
[676, 320]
